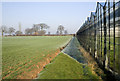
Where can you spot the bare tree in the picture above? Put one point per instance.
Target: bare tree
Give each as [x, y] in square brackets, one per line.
[60, 29]
[43, 26]
[11, 30]
[40, 28]
[57, 32]
[41, 32]
[31, 31]
[18, 32]
[65, 32]
[27, 31]
[4, 29]
[48, 33]
[35, 28]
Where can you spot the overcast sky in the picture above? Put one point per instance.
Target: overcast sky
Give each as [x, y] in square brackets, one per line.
[69, 14]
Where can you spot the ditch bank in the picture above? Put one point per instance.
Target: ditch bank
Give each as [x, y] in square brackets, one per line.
[73, 52]
[77, 52]
[47, 60]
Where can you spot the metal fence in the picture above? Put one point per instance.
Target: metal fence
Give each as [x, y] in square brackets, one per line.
[100, 35]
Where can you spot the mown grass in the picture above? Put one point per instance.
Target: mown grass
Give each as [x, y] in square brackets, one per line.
[20, 53]
[65, 67]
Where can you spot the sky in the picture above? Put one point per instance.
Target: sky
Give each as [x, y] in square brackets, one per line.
[69, 14]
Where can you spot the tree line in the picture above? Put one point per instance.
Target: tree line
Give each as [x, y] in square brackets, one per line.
[37, 29]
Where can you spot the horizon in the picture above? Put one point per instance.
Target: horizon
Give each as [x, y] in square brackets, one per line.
[53, 14]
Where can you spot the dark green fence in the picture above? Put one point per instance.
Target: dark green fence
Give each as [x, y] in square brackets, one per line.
[100, 35]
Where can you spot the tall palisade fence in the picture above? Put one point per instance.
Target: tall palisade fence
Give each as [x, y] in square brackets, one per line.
[100, 35]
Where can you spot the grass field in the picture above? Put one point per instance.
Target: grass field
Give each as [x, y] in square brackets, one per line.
[24, 57]
[65, 67]
[111, 52]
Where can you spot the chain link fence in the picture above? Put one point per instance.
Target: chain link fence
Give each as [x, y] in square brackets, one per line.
[100, 35]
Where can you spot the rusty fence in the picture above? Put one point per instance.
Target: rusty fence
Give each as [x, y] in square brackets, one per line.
[100, 35]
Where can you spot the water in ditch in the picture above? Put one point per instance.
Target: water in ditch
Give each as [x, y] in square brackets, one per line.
[72, 49]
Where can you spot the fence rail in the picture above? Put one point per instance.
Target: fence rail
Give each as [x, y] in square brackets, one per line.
[100, 35]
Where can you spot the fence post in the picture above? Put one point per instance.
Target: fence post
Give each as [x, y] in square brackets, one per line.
[94, 35]
[119, 40]
[114, 30]
[101, 32]
[109, 32]
[104, 12]
[98, 33]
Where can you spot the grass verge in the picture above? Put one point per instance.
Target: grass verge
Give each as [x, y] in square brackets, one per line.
[65, 67]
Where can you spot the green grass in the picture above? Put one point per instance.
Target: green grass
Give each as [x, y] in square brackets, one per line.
[89, 42]
[19, 53]
[117, 52]
[65, 67]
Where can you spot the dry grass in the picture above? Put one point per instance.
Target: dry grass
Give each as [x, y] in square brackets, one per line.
[92, 63]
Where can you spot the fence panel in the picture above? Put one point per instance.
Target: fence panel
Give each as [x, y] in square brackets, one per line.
[100, 35]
